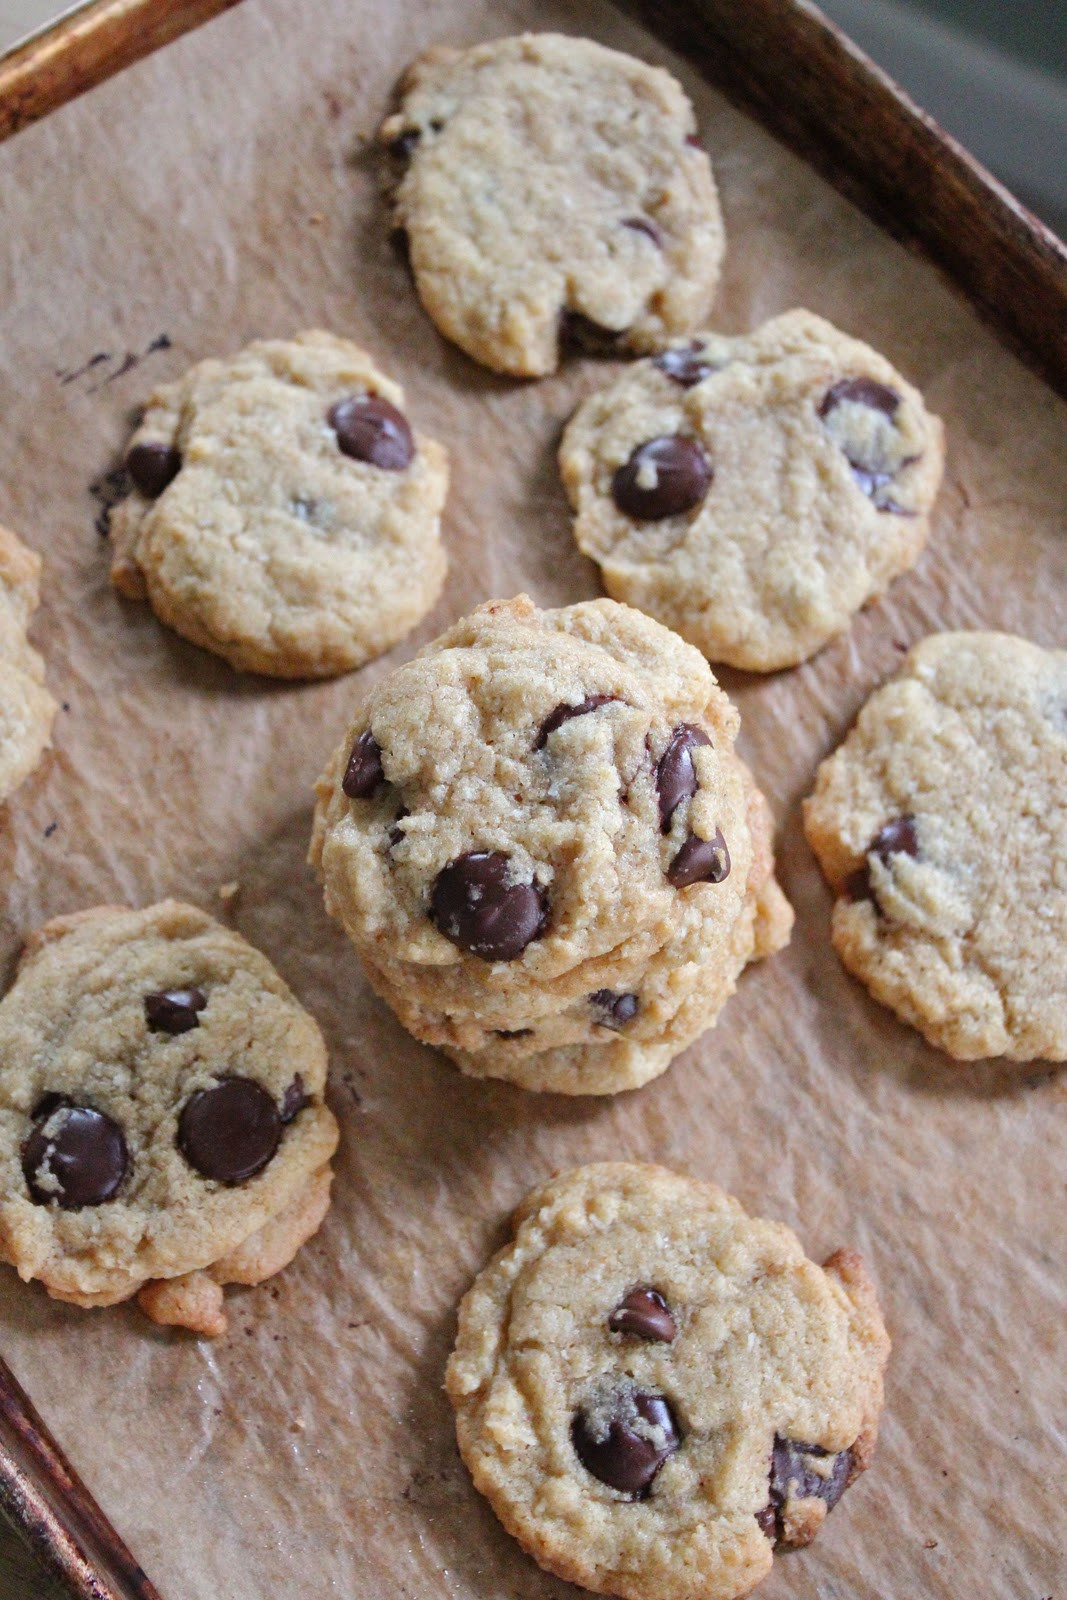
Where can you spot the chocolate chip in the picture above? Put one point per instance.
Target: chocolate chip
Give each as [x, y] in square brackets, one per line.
[562, 714]
[792, 1478]
[900, 836]
[624, 1437]
[663, 478]
[364, 775]
[476, 906]
[396, 832]
[583, 336]
[616, 1010]
[646, 226]
[768, 1522]
[47, 1104]
[152, 466]
[676, 778]
[684, 364]
[402, 148]
[700, 861]
[74, 1156]
[294, 1099]
[229, 1132]
[369, 429]
[645, 1313]
[861, 392]
[174, 1010]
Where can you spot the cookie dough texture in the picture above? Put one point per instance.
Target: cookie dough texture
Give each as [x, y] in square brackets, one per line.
[74, 1028]
[270, 545]
[27, 710]
[941, 824]
[481, 749]
[770, 1351]
[544, 178]
[824, 464]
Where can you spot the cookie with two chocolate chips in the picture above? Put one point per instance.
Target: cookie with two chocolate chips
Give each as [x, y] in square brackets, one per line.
[283, 512]
[754, 492]
[655, 1391]
[162, 1126]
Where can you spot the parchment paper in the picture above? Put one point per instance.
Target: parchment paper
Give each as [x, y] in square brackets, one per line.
[221, 191]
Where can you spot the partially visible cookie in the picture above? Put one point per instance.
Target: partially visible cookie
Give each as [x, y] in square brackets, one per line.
[162, 1126]
[545, 849]
[754, 492]
[552, 191]
[653, 1389]
[283, 513]
[941, 824]
[27, 710]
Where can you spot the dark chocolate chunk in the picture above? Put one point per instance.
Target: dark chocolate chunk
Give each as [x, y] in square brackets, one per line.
[75, 1156]
[646, 226]
[363, 774]
[792, 1478]
[152, 466]
[294, 1099]
[583, 336]
[861, 392]
[684, 364]
[768, 1522]
[611, 1443]
[229, 1132]
[369, 429]
[676, 778]
[174, 1010]
[700, 861]
[663, 478]
[616, 1010]
[474, 904]
[645, 1313]
[562, 714]
[899, 836]
[396, 832]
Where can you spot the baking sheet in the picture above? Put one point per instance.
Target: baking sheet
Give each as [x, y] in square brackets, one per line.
[221, 191]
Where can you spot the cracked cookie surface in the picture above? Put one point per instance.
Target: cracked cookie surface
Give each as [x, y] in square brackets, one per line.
[754, 492]
[283, 512]
[941, 825]
[540, 840]
[552, 189]
[27, 710]
[652, 1388]
[162, 1126]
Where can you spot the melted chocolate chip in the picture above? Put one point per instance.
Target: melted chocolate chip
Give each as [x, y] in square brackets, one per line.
[474, 904]
[616, 1010]
[363, 774]
[152, 466]
[583, 336]
[676, 778]
[684, 364]
[562, 714]
[74, 1156]
[700, 861]
[229, 1132]
[792, 1478]
[294, 1099]
[369, 429]
[900, 836]
[664, 477]
[174, 1010]
[645, 1314]
[646, 226]
[861, 392]
[625, 1438]
[768, 1522]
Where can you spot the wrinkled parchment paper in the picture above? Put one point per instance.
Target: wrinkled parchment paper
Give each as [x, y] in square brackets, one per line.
[222, 191]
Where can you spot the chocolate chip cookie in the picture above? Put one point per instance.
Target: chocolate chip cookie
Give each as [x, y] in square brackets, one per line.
[941, 824]
[541, 842]
[283, 514]
[27, 710]
[552, 192]
[753, 493]
[162, 1126]
[653, 1390]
